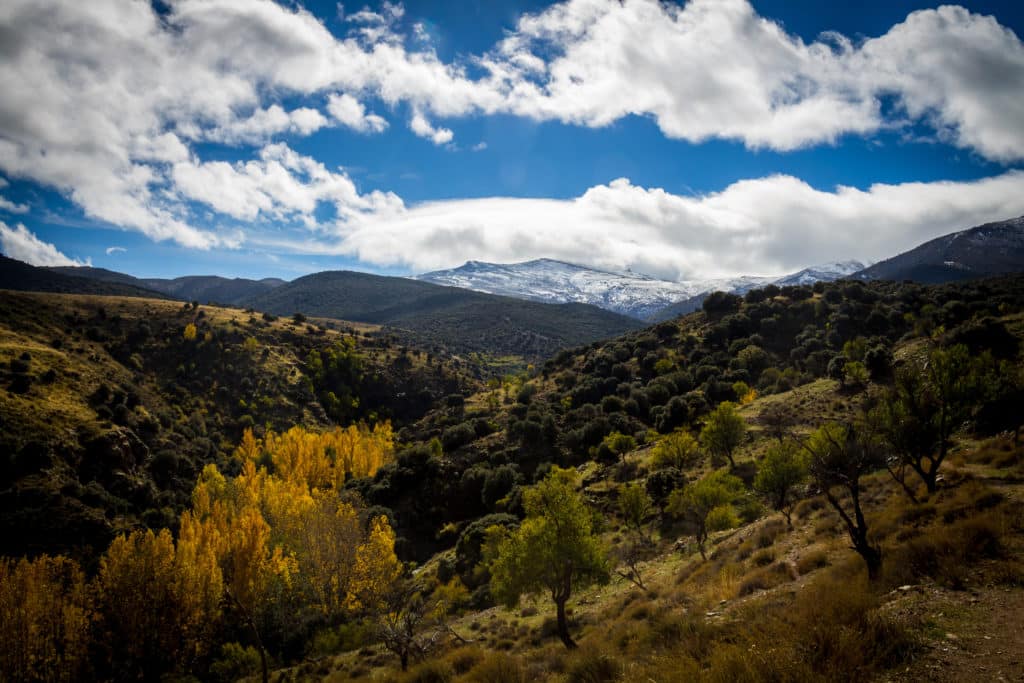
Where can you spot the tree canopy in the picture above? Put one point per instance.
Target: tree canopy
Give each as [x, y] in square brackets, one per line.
[554, 550]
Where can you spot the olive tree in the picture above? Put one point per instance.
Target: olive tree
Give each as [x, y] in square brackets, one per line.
[554, 550]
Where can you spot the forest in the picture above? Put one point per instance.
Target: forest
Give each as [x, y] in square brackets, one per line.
[804, 483]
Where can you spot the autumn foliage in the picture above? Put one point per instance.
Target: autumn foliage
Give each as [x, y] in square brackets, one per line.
[277, 541]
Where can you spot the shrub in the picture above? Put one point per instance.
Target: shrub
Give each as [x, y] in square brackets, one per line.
[430, 671]
[593, 667]
[809, 561]
[498, 667]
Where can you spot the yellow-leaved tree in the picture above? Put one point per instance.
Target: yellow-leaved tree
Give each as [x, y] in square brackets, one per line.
[45, 616]
[281, 535]
[160, 602]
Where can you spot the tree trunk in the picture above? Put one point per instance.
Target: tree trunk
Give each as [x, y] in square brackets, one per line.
[563, 625]
[405, 661]
[873, 559]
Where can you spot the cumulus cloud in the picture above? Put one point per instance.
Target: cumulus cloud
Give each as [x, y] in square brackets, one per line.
[714, 68]
[350, 112]
[106, 100]
[22, 244]
[12, 207]
[115, 250]
[281, 184]
[263, 124]
[423, 128]
[762, 226]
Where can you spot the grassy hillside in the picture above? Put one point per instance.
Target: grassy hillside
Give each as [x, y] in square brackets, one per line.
[459, 320]
[109, 411]
[732, 593]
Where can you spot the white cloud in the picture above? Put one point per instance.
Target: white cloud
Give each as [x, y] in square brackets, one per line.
[480, 146]
[350, 112]
[21, 244]
[762, 226]
[423, 128]
[262, 124]
[12, 207]
[281, 185]
[714, 68]
[105, 100]
[115, 250]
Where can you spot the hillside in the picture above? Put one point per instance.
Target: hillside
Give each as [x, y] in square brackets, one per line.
[109, 412]
[210, 289]
[743, 596]
[982, 251]
[450, 318]
[16, 275]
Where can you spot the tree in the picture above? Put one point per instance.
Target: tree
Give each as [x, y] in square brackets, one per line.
[781, 471]
[46, 613]
[678, 449]
[190, 332]
[159, 602]
[707, 505]
[618, 444]
[661, 483]
[410, 621]
[635, 505]
[839, 456]
[926, 405]
[724, 431]
[855, 374]
[555, 549]
[778, 420]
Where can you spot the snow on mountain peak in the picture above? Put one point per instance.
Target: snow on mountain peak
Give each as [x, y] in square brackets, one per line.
[629, 293]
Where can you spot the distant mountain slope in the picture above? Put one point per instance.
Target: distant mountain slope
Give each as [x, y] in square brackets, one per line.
[460, 319]
[559, 282]
[990, 249]
[21, 276]
[631, 294]
[202, 288]
[827, 272]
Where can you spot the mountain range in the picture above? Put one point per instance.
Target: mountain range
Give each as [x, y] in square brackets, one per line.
[528, 309]
[637, 296]
[204, 288]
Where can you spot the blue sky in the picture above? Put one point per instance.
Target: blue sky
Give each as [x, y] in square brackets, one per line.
[683, 140]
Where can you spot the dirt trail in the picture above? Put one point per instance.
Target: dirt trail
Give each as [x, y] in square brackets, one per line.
[970, 636]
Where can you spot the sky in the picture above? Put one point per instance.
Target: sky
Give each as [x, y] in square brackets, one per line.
[708, 138]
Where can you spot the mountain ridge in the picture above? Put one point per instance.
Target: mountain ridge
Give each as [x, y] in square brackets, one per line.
[989, 249]
[636, 295]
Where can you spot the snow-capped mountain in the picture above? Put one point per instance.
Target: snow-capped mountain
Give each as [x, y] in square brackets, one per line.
[826, 272]
[632, 294]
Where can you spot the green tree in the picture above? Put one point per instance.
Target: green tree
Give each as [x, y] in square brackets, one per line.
[724, 431]
[635, 505]
[678, 449]
[555, 549]
[618, 444]
[855, 374]
[707, 505]
[927, 403]
[781, 471]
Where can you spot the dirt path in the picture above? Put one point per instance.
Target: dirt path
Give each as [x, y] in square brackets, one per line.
[968, 635]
